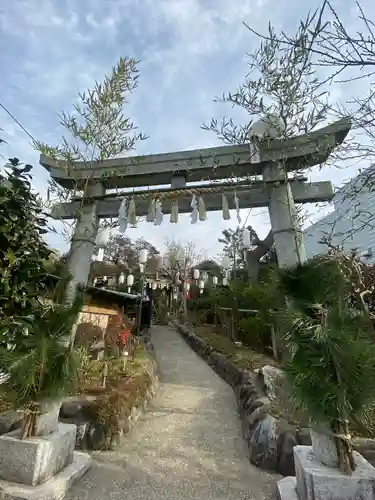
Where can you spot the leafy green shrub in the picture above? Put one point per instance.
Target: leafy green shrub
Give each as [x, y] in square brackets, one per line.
[255, 333]
[23, 252]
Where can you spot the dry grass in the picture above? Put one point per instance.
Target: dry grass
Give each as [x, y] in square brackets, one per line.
[123, 391]
[243, 357]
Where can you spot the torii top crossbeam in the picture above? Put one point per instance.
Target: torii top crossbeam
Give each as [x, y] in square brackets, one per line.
[206, 164]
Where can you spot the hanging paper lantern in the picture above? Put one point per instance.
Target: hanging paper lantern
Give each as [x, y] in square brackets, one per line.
[141, 268]
[102, 237]
[225, 281]
[201, 285]
[121, 279]
[196, 274]
[143, 256]
[100, 255]
[154, 286]
[187, 286]
[214, 280]
[246, 238]
[130, 280]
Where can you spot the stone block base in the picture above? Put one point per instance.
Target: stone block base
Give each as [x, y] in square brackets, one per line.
[286, 489]
[53, 489]
[35, 460]
[315, 481]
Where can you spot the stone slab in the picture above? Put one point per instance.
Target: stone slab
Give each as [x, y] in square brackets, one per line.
[316, 481]
[53, 489]
[33, 461]
[286, 489]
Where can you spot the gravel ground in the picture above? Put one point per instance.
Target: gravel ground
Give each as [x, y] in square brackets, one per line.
[188, 446]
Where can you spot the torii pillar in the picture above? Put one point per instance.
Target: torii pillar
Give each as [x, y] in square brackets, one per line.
[286, 229]
[83, 241]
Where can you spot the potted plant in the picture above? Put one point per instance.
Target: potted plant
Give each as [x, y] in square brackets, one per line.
[42, 367]
[331, 366]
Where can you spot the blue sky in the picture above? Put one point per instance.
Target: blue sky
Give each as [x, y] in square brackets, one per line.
[190, 51]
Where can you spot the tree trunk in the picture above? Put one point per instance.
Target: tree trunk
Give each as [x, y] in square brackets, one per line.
[253, 257]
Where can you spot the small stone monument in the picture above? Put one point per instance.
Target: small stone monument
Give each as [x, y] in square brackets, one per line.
[41, 467]
[318, 476]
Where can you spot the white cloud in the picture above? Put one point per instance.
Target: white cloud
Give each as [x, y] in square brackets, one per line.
[191, 50]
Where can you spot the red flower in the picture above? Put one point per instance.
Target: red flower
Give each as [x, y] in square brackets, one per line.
[124, 335]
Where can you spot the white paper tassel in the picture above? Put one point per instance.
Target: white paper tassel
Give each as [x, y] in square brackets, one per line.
[194, 213]
[151, 210]
[202, 209]
[158, 214]
[254, 150]
[123, 216]
[225, 206]
[237, 205]
[174, 212]
[132, 216]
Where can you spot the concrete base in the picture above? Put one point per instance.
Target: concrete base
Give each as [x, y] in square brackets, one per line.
[286, 489]
[33, 461]
[315, 481]
[53, 489]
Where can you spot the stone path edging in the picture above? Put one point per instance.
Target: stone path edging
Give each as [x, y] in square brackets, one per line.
[270, 441]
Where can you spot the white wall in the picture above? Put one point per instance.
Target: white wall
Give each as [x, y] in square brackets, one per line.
[351, 225]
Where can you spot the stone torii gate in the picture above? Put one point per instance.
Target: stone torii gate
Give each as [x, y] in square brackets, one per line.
[271, 188]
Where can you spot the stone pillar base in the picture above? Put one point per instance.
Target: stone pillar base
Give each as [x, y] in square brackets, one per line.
[315, 481]
[53, 489]
[40, 468]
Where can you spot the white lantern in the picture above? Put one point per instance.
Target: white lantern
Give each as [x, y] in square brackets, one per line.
[214, 280]
[187, 286]
[246, 238]
[105, 278]
[141, 268]
[100, 256]
[201, 286]
[143, 256]
[121, 279]
[225, 281]
[196, 274]
[102, 237]
[154, 286]
[130, 280]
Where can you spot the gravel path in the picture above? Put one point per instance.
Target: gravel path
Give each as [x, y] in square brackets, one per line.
[189, 444]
